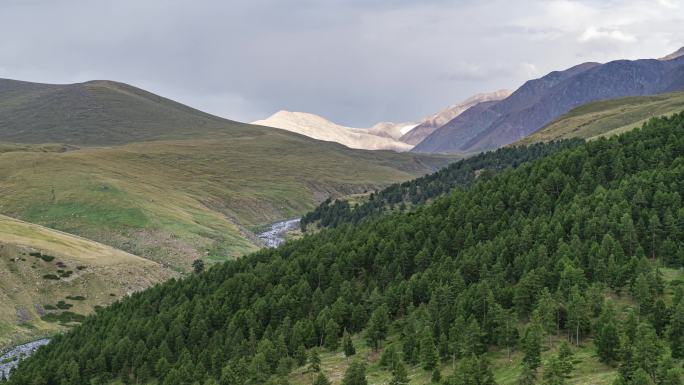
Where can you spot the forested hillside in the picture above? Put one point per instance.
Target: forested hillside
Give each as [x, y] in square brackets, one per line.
[565, 247]
[332, 213]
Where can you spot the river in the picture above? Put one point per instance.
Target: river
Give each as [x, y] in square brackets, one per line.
[10, 359]
[276, 235]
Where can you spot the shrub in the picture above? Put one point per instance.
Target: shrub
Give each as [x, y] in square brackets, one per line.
[49, 307]
[51, 276]
[76, 297]
[63, 305]
[63, 317]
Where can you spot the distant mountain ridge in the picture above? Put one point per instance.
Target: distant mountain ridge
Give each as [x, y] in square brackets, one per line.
[433, 122]
[540, 101]
[381, 136]
[317, 127]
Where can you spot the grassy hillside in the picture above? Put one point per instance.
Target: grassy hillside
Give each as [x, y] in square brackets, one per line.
[174, 201]
[79, 272]
[98, 113]
[608, 117]
[162, 180]
[569, 247]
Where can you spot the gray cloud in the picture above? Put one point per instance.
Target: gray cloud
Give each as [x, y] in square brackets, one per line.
[353, 61]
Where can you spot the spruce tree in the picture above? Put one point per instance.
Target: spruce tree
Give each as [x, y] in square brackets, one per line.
[531, 347]
[399, 375]
[607, 338]
[321, 379]
[315, 361]
[355, 374]
[377, 327]
[349, 349]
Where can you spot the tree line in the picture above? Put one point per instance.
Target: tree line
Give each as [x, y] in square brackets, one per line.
[332, 213]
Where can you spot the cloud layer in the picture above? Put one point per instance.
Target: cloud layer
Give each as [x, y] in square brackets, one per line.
[353, 61]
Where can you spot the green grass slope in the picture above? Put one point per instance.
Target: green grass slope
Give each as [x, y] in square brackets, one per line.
[174, 201]
[98, 113]
[162, 180]
[608, 117]
[79, 272]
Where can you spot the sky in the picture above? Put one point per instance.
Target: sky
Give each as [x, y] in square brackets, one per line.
[355, 62]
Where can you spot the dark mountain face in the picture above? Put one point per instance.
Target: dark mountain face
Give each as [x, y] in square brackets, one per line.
[538, 102]
[470, 124]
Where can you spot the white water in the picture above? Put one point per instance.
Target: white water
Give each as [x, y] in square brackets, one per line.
[276, 235]
[11, 359]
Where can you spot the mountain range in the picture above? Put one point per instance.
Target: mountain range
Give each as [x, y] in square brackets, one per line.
[538, 102]
[317, 127]
[381, 136]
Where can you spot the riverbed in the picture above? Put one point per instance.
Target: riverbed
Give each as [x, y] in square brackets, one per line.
[10, 359]
[275, 236]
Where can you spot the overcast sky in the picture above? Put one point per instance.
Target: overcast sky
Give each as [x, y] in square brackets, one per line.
[353, 61]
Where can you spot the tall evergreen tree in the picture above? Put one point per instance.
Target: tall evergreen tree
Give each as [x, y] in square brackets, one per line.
[355, 374]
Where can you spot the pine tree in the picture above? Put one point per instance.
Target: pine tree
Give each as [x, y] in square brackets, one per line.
[198, 266]
[428, 351]
[355, 374]
[390, 357]
[607, 338]
[565, 357]
[349, 349]
[531, 347]
[675, 331]
[399, 375]
[528, 376]
[377, 327]
[546, 312]
[315, 361]
[578, 314]
[436, 376]
[332, 330]
[321, 379]
[553, 372]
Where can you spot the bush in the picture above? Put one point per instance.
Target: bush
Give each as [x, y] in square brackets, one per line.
[44, 257]
[49, 307]
[63, 317]
[63, 305]
[76, 297]
[66, 274]
[51, 276]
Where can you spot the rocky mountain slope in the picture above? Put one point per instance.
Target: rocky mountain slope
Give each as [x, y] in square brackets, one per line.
[320, 128]
[428, 125]
[540, 101]
[381, 136]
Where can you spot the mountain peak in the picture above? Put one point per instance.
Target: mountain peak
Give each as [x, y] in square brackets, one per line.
[673, 55]
[317, 127]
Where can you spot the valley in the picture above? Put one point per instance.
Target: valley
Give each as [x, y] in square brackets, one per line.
[175, 195]
[524, 237]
